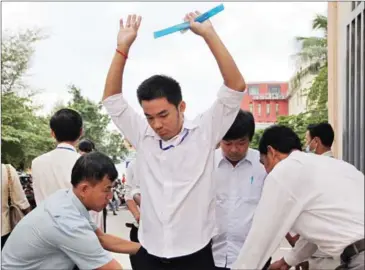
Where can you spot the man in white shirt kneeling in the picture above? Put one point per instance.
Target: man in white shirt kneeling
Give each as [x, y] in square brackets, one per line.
[239, 178]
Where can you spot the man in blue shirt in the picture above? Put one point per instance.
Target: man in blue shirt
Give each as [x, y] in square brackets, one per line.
[60, 234]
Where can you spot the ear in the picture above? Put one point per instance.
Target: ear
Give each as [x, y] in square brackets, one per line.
[182, 106]
[83, 187]
[271, 151]
[53, 134]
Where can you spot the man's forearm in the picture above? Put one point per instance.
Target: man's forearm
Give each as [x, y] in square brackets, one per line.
[114, 78]
[137, 199]
[118, 245]
[231, 75]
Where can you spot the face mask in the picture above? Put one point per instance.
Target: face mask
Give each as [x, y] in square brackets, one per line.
[308, 150]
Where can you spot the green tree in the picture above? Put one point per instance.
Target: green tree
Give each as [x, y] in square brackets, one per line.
[313, 50]
[95, 125]
[24, 135]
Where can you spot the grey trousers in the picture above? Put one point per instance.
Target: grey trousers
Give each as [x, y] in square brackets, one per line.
[356, 263]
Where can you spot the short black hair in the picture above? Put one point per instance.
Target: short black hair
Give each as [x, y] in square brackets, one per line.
[324, 131]
[66, 125]
[243, 126]
[86, 146]
[93, 167]
[160, 86]
[281, 138]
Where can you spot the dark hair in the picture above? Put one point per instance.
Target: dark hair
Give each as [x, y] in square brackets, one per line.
[93, 167]
[243, 126]
[66, 125]
[324, 131]
[281, 138]
[86, 146]
[160, 86]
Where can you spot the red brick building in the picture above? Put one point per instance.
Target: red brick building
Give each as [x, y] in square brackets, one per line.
[266, 101]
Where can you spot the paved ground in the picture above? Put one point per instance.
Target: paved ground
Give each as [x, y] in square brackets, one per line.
[116, 226]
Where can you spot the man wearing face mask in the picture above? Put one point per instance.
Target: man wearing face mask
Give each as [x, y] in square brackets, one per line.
[319, 139]
[239, 177]
[318, 197]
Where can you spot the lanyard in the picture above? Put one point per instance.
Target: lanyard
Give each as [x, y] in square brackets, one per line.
[171, 146]
[61, 147]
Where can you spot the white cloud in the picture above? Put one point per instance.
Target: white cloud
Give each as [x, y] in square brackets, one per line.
[82, 41]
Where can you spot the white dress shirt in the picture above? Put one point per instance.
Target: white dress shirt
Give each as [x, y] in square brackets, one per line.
[52, 172]
[238, 193]
[178, 192]
[318, 197]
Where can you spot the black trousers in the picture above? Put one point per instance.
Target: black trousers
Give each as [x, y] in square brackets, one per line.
[200, 260]
[267, 264]
[133, 236]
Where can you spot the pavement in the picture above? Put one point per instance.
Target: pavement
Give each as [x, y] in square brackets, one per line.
[116, 226]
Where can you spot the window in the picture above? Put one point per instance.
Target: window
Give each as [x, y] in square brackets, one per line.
[277, 108]
[251, 107]
[274, 89]
[268, 109]
[354, 103]
[253, 90]
[259, 109]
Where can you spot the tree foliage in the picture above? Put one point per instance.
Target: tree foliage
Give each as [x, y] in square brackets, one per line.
[24, 135]
[95, 125]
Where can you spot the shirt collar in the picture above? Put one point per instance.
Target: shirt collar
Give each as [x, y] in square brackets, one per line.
[190, 125]
[328, 154]
[66, 145]
[249, 157]
[79, 205]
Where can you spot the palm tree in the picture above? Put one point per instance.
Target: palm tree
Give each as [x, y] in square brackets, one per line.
[313, 51]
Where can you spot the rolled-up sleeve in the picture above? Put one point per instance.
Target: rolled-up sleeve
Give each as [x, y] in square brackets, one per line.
[18, 195]
[131, 124]
[223, 112]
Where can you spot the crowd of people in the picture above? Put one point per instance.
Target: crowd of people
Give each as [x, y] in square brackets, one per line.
[200, 196]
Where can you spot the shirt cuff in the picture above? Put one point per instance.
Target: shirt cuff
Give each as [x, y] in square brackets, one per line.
[135, 191]
[230, 97]
[115, 104]
[291, 259]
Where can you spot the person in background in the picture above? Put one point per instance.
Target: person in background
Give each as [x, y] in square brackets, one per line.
[133, 201]
[60, 233]
[87, 146]
[52, 171]
[319, 139]
[318, 197]
[9, 176]
[239, 177]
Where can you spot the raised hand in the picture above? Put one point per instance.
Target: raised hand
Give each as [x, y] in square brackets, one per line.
[201, 29]
[128, 31]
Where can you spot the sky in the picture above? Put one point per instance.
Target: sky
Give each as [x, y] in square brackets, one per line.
[82, 41]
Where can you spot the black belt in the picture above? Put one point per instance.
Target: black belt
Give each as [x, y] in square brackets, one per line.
[352, 250]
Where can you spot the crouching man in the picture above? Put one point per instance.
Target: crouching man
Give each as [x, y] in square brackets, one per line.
[60, 234]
